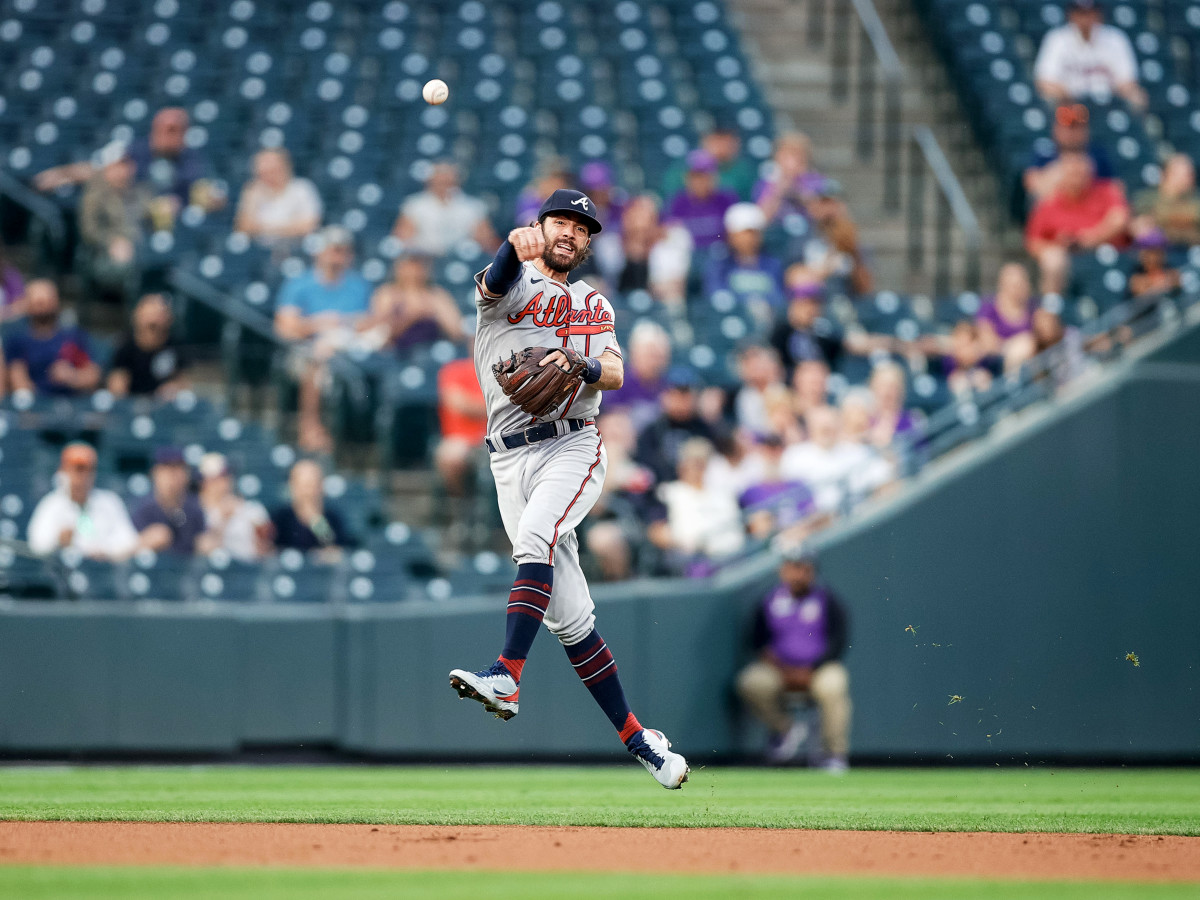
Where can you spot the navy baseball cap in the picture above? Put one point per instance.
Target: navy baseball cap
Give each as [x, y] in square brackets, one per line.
[569, 201]
[169, 456]
[1083, 6]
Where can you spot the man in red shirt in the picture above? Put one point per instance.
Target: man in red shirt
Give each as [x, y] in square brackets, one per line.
[462, 412]
[1081, 214]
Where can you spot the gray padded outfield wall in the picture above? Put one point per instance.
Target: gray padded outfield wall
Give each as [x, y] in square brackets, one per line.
[1017, 578]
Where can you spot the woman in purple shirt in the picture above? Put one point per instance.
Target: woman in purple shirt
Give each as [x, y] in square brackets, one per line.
[1006, 320]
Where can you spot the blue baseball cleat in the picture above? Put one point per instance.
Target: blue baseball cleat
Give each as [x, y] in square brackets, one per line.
[495, 688]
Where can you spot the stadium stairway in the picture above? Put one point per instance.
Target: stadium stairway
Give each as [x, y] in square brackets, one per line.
[798, 77]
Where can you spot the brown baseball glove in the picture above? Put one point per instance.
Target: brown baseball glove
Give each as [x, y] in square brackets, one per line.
[535, 388]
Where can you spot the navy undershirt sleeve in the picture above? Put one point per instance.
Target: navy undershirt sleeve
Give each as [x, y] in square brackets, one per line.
[504, 271]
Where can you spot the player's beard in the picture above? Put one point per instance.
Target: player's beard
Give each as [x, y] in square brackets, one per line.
[553, 258]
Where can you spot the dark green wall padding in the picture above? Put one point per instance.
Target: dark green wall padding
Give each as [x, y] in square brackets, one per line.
[1016, 578]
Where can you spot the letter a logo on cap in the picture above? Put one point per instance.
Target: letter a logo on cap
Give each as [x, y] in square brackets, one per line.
[582, 201]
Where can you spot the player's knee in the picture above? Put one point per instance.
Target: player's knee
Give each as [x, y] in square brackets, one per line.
[533, 548]
[573, 632]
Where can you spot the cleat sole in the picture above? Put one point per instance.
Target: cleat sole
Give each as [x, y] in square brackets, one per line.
[466, 692]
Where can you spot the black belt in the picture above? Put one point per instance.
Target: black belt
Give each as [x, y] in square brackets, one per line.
[536, 433]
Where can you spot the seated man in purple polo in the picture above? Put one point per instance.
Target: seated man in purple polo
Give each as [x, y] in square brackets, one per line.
[800, 635]
[171, 518]
[739, 266]
[700, 207]
[46, 356]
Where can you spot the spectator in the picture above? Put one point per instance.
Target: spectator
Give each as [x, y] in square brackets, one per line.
[308, 523]
[800, 634]
[616, 533]
[968, 366]
[77, 514]
[1071, 134]
[164, 164]
[1063, 347]
[702, 519]
[739, 266]
[597, 181]
[1153, 277]
[437, 219]
[649, 357]
[462, 412]
[858, 414]
[678, 420]
[888, 387]
[645, 255]
[780, 405]
[12, 289]
[791, 182]
[734, 173]
[810, 382]
[46, 356]
[234, 524]
[553, 173]
[758, 369]
[832, 253]
[802, 334]
[773, 501]
[827, 464]
[112, 216]
[1086, 58]
[1005, 321]
[171, 519]
[1174, 208]
[323, 310]
[415, 312]
[701, 205]
[276, 208]
[149, 362]
[1081, 214]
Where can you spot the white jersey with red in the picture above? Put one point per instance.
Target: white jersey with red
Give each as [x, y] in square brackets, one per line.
[538, 311]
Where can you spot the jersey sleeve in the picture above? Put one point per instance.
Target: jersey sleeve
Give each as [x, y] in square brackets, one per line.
[493, 306]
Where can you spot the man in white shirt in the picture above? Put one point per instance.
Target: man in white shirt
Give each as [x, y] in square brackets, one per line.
[702, 518]
[77, 515]
[433, 221]
[832, 468]
[1086, 58]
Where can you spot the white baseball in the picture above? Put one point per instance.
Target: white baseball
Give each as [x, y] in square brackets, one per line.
[435, 92]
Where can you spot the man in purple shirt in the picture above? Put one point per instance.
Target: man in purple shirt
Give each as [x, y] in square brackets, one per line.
[171, 518]
[700, 206]
[800, 635]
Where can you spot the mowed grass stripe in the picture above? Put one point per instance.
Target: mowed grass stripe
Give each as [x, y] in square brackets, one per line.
[111, 883]
[1132, 801]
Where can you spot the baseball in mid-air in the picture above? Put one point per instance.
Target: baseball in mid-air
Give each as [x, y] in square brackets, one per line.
[435, 92]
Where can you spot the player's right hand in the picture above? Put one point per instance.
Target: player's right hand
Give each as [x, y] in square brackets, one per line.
[529, 242]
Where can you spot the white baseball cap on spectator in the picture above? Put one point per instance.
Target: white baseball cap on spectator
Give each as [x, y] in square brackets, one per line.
[213, 465]
[333, 236]
[112, 152]
[744, 217]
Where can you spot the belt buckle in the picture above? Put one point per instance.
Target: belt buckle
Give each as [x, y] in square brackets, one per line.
[525, 432]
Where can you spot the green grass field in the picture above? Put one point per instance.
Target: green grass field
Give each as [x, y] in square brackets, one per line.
[1026, 799]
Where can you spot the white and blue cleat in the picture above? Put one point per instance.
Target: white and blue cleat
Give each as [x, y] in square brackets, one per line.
[653, 750]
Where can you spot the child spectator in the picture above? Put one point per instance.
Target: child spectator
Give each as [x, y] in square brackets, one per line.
[1153, 277]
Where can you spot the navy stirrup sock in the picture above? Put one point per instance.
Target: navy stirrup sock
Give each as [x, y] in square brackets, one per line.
[527, 602]
[596, 668]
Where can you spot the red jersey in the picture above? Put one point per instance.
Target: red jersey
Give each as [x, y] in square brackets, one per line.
[1060, 218]
[459, 375]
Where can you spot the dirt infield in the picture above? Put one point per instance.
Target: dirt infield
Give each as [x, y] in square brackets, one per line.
[1032, 856]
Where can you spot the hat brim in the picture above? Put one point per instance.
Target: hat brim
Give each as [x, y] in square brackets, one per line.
[593, 224]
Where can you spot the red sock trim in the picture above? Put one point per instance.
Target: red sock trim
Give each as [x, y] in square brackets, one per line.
[632, 727]
[514, 667]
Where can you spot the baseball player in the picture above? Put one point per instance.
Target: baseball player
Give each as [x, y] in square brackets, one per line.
[545, 349]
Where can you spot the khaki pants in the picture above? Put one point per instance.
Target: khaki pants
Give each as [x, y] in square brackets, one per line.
[760, 685]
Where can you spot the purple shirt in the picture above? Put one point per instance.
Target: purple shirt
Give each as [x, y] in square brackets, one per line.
[1004, 329]
[637, 397]
[793, 199]
[788, 501]
[12, 284]
[704, 218]
[798, 627]
[186, 523]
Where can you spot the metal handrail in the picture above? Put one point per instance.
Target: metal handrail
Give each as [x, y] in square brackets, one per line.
[45, 211]
[926, 155]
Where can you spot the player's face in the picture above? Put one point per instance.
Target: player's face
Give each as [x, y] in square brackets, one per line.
[567, 242]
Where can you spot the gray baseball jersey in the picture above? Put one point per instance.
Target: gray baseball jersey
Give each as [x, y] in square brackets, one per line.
[539, 312]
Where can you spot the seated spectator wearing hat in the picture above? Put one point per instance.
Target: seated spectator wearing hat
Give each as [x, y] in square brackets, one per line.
[276, 208]
[149, 362]
[791, 182]
[462, 414]
[1153, 278]
[734, 172]
[436, 220]
[738, 265]
[238, 526]
[325, 309]
[678, 420]
[1172, 208]
[79, 515]
[773, 501]
[800, 635]
[308, 523]
[46, 356]
[1071, 133]
[171, 519]
[1081, 214]
[701, 204]
[113, 215]
[1086, 58]
[702, 516]
[415, 312]
[832, 254]
[648, 355]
